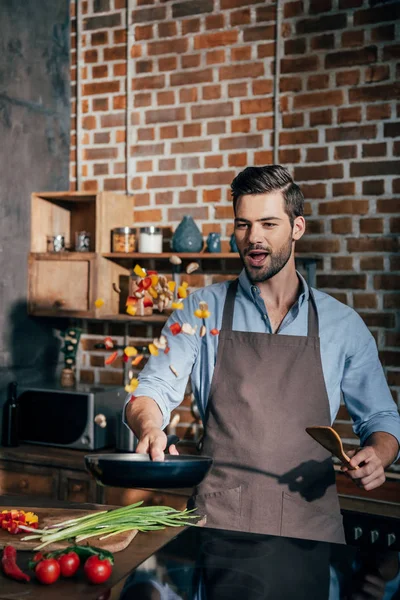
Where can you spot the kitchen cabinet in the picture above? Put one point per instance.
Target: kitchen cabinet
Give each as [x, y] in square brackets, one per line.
[28, 479]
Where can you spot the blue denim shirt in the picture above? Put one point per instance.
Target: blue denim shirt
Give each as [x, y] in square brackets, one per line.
[350, 362]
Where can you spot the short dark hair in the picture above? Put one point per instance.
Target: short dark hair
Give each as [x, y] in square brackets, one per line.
[270, 178]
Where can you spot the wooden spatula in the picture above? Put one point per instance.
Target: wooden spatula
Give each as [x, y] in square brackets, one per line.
[329, 439]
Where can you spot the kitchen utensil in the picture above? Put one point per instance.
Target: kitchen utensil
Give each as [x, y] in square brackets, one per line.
[138, 470]
[51, 516]
[329, 439]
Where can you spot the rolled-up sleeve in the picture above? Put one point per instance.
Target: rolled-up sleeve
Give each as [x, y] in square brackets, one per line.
[366, 393]
[157, 380]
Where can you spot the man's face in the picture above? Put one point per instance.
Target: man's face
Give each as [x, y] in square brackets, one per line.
[264, 235]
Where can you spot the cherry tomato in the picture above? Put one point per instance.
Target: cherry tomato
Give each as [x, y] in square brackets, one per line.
[69, 564]
[96, 570]
[48, 571]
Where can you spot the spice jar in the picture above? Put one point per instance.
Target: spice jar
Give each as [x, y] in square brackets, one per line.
[55, 243]
[123, 239]
[82, 241]
[150, 240]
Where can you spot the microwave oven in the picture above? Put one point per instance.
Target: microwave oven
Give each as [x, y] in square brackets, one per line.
[52, 415]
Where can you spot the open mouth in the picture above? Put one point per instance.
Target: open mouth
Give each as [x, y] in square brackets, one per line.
[257, 258]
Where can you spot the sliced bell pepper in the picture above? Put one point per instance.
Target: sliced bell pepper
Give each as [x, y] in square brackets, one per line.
[147, 282]
[177, 305]
[171, 285]
[131, 301]
[131, 310]
[153, 293]
[214, 331]
[112, 358]
[153, 350]
[182, 292]
[108, 343]
[130, 351]
[137, 360]
[175, 328]
[139, 271]
[147, 302]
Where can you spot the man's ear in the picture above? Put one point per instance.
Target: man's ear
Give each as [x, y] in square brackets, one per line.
[299, 227]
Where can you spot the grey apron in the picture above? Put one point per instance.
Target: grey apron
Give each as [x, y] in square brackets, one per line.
[269, 476]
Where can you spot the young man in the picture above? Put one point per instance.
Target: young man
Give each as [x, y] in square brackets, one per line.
[282, 359]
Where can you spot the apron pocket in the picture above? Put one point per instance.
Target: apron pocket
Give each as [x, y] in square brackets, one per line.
[300, 519]
[261, 509]
[222, 508]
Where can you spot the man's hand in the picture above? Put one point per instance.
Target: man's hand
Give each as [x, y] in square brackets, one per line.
[154, 442]
[370, 473]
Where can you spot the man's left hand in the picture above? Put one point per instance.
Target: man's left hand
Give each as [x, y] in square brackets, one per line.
[370, 473]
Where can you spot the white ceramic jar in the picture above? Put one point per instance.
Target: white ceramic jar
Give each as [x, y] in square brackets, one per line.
[150, 240]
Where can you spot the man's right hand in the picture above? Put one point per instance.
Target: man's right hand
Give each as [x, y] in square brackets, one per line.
[153, 442]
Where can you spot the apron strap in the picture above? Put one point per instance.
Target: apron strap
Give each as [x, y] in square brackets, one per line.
[227, 317]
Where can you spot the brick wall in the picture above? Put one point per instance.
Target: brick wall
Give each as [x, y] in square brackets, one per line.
[200, 107]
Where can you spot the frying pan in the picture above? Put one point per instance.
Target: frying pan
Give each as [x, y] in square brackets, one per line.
[131, 470]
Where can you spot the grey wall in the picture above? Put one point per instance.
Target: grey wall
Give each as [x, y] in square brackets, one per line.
[34, 156]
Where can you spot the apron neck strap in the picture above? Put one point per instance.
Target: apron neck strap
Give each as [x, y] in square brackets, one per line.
[227, 317]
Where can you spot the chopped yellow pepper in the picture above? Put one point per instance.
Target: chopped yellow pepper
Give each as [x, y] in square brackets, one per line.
[99, 302]
[152, 292]
[202, 314]
[139, 271]
[153, 350]
[130, 351]
[184, 284]
[132, 385]
[182, 293]
[172, 285]
[131, 310]
[154, 280]
[177, 305]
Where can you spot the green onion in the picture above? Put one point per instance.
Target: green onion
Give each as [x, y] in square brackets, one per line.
[112, 522]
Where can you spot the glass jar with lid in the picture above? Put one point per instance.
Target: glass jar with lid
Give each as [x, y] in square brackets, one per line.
[150, 240]
[123, 239]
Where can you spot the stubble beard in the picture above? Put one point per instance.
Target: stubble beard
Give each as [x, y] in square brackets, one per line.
[275, 263]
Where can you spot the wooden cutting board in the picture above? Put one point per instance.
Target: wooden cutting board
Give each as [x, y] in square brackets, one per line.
[50, 516]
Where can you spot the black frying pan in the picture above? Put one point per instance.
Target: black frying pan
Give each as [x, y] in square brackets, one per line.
[130, 470]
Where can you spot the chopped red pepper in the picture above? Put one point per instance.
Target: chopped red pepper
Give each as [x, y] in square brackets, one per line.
[175, 328]
[108, 343]
[125, 357]
[132, 398]
[152, 272]
[147, 302]
[10, 567]
[146, 283]
[131, 300]
[110, 359]
[214, 331]
[167, 349]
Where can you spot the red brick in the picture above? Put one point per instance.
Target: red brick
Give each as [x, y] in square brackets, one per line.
[395, 225]
[319, 6]
[388, 205]
[188, 95]
[99, 71]
[377, 73]
[164, 197]
[371, 263]
[215, 21]
[317, 99]
[321, 117]
[211, 92]
[99, 153]
[136, 50]
[264, 123]
[266, 50]
[191, 61]
[341, 207]
[320, 246]
[192, 130]
[147, 216]
[166, 181]
[371, 150]
[212, 195]
[307, 136]
[167, 63]
[102, 137]
[148, 83]
[215, 39]
[197, 212]
[191, 147]
[375, 93]
[241, 143]
[265, 157]
[186, 9]
[216, 127]
[119, 168]
[119, 69]
[374, 187]
[240, 126]
[90, 56]
[113, 120]
[330, 171]
[100, 104]
[289, 155]
[322, 24]
[256, 106]
[345, 152]
[383, 33]
[352, 38]
[188, 197]
[323, 42]
[240, 17]
[295, 65]
[117, 184]
[371, 225]
[318, 82]
[141, 199]
[214, 161]
[165, 115]
[376, 244]
[344, 78]
[89, 122]
[115, 53]
[168, 132]
[224, 212]
[265, 13]
[120, 36]
[377, 112]
[344, 281]
[348, 115]
[90, 186]
[241, 54]
[394, 376]
[259, 33]
[317, 154]
[145, 134]
[144, 165]
[149, 14]
[391, 301]
[100, 169]
[389, 12]
[379, 320]
[147, 150]
[141, 100]
[314, 226]
[290, 84]
[241, 71]
[164, 98]
[295, 46]
[341, 263]
[206, 111]
[293, 9]
[190, 163]
[99, 38]
[143, 32]
[341, 134]
[215, 57]
[391, 129]
[193, 77]
[190, 26]
[375, 168]
[213, 178]
[342, 226]
[167, 164]
[392, 339]
[237, 90]
[100, 87]
[238, 160]
[343, 188]
[167, 29]
[292, 120]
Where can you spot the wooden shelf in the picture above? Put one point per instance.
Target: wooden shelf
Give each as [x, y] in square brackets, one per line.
[66, 255]
[167, 255]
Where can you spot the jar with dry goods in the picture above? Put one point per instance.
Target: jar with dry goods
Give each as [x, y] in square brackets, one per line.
[123, 239]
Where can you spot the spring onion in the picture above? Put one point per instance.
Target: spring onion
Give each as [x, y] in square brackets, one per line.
[112, 522]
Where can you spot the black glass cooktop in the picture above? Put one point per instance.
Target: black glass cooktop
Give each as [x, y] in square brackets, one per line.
[211, 564]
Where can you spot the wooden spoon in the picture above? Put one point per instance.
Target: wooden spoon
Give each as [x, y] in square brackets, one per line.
[329, 439]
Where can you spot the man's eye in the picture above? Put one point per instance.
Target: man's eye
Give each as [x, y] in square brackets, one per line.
[270, 225]
[241, 225]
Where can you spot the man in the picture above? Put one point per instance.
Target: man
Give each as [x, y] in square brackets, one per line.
[282, 359]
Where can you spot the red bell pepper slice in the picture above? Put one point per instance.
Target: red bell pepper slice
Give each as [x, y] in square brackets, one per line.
[214, 331]
[175, 328]
[110, 359]
[147, 302]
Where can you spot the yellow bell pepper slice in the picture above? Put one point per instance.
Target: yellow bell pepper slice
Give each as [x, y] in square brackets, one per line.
[153, 350]
[184, 284]
[182, 293]
[130, 351]
[152, 292]
[171, 285]
[139, 271]
[154, 280]
[177, 305]
[131, 310]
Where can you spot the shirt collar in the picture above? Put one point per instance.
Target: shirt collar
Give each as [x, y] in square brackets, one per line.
[252, 291]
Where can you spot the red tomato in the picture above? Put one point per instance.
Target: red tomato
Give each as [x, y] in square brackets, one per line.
[96, 570]
[47, 571]
[69, 564]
